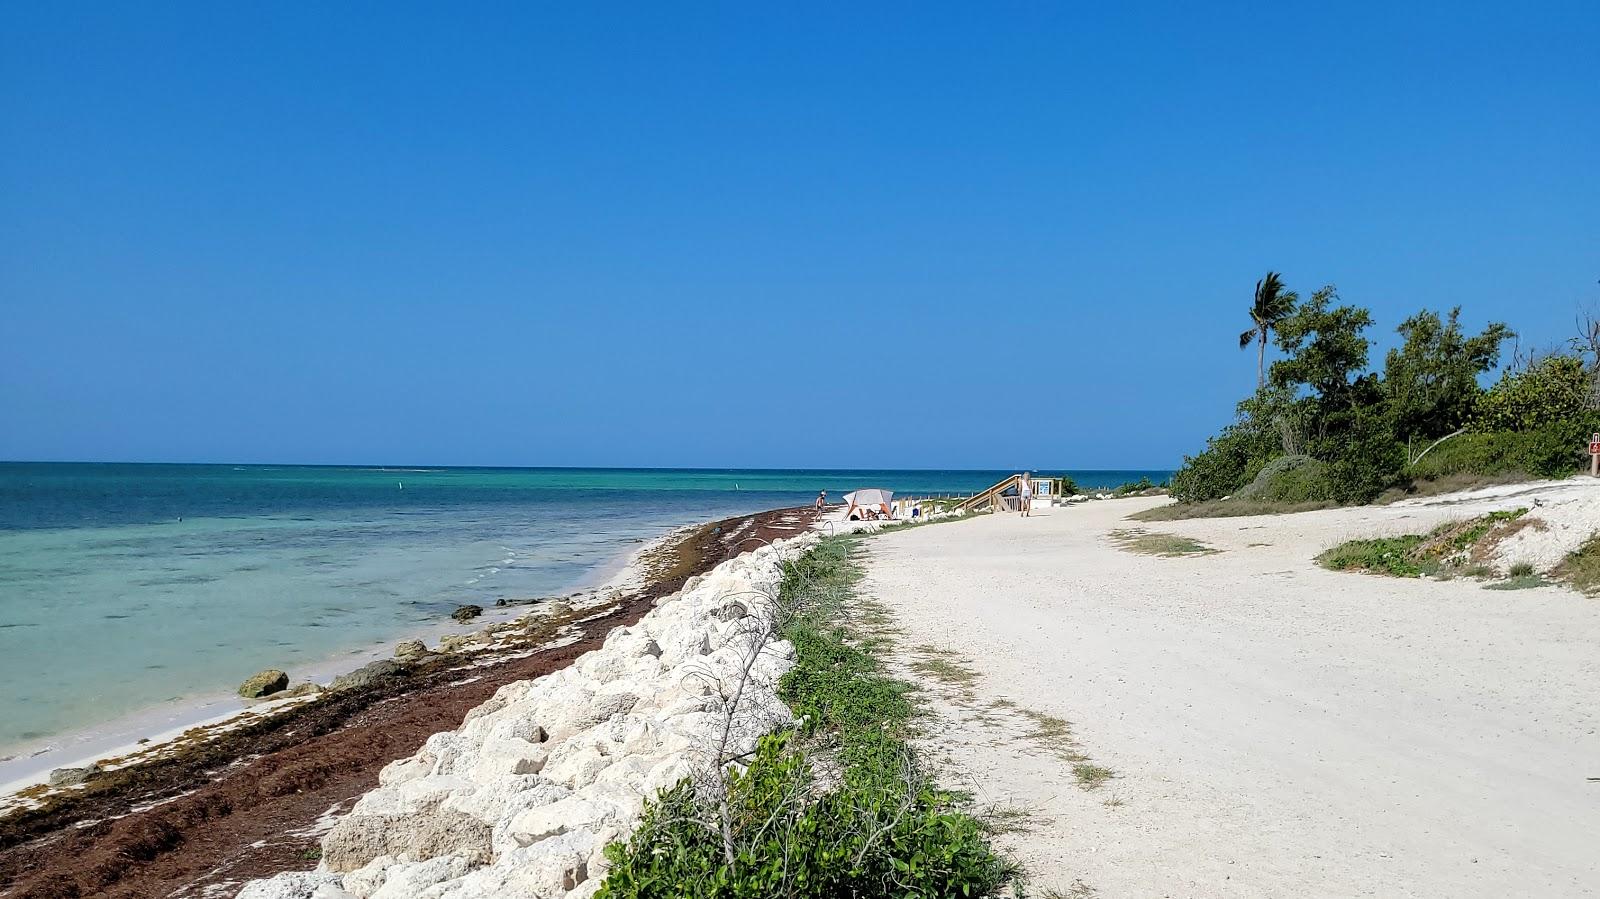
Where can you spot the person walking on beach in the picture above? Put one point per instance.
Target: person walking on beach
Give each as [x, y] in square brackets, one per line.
[1025, 496]
[822, 500]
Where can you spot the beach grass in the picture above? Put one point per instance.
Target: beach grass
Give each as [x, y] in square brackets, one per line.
[945, 667]
[1581, 569]
[1225, 508]
[1153, 543]
[1523, 582]
[1091, 776]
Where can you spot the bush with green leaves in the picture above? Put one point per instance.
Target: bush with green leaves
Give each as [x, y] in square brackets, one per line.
[1363, 457]
[1553, 451]
[875, 835]
[1129, 487]
[882, 829]
[1551, 392]
[1289, 479]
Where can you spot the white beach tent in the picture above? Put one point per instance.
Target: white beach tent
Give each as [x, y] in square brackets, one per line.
[867, 498]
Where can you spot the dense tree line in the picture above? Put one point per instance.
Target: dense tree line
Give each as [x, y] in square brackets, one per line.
[1322, 426]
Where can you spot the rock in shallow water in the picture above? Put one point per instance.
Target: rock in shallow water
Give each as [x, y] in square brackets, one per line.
[466, 613]
[264, 684]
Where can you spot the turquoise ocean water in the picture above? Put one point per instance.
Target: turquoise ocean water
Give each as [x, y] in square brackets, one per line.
[128, 586]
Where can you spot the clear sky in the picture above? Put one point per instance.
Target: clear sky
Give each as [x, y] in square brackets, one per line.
[750, 234]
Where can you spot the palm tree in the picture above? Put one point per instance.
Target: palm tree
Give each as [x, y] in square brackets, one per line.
[1273, 304]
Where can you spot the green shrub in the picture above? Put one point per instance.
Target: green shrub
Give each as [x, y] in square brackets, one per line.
[1133, 487]
[1550, 393]
[1553, 450]
[1289, 479]
[1230, 460]
[883, 830]
[869, 837]
[1363, 457]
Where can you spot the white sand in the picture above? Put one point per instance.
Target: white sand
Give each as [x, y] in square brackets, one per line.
[1276, 729]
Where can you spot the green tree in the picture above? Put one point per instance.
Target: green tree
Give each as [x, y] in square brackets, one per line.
[1350, 427]
[1325, 348]
[1431, 381]
[1272, 305]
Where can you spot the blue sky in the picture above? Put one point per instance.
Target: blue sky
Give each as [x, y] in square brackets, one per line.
[708, 234]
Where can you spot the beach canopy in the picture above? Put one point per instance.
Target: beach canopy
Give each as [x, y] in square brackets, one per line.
[868, 498]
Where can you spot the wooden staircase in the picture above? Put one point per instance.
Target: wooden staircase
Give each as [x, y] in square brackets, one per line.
[992, 498]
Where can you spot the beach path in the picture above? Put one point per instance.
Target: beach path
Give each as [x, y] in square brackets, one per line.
[1242, 722]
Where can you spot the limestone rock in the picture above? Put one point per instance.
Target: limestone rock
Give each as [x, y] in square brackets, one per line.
[295, 885]
[732, 610]
[264, 684]
[466, 613]
[358, 839]
[71, 777]
[410, 649]
[368, 674]
[559, 817]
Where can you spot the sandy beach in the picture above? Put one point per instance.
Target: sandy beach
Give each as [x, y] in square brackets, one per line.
[1265, 727]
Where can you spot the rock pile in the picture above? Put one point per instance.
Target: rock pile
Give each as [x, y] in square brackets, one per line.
[524, 796]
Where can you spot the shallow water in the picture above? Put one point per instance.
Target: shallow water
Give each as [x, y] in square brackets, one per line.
[125, 586]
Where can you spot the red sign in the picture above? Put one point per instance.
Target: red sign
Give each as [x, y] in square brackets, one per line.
[1594, 445]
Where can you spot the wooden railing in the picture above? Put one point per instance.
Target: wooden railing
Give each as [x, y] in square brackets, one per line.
[993, 497]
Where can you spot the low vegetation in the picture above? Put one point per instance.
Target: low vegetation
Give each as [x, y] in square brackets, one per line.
[1581, 569]
[1138, 540]
[1518, 582]
[1453, 549]
[875, 825]
[1323, 428]
[1384, 555]
[1091, 776]
[1231, 508]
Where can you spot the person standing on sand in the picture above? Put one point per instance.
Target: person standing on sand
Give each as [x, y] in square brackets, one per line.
[822, 500]
[1025, 496]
